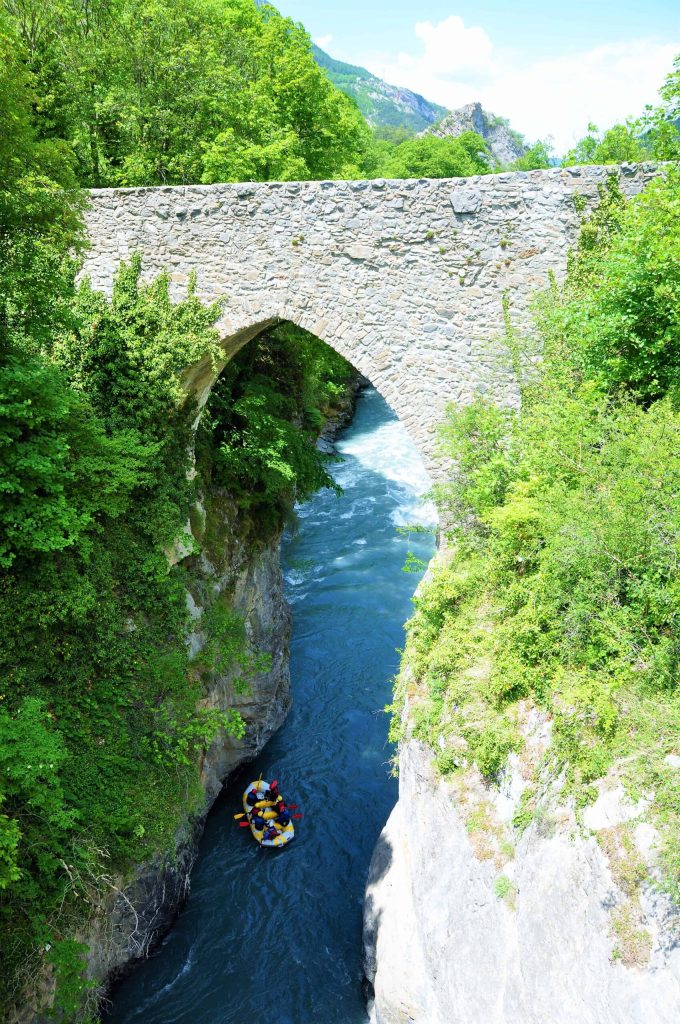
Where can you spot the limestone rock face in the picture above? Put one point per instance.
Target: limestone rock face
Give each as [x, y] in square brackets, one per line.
[258, 597]
[505, 145]
[142, 908]
[442, 946]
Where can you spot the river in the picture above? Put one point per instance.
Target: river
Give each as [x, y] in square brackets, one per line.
[275, 936]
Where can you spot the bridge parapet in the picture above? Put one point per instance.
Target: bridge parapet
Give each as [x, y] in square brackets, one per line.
[405, 279]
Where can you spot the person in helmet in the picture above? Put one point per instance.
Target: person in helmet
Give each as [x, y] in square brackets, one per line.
[270, 834]
[282, 814]
[256, 820]
[272, 793]
[252, 798]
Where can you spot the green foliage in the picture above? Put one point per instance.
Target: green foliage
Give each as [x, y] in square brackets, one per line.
[538, 156]
[67, 957]
[628, 329]
[480, 436]
[39, 221]
[31, 794]
[258, 431]
[175, 91]
[526, 812]
[661, 125]
[561, 588]
[504, 887]
[227, 647]
[135, 345]
[429, 156]
[618, 145]
[60, 473]
[490, 746]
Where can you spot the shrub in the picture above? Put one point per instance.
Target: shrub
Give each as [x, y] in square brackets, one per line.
[560, 589]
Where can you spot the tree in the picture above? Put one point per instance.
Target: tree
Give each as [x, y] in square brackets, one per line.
[627, 330]
[661, 124]
[59, 471]
[39, 208]
[620, 144]
[537, 157]
[429, 156]
[178, 91]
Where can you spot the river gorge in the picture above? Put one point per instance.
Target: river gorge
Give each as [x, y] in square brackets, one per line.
[281, 934]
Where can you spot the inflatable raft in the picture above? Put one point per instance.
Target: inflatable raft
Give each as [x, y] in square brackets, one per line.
[284, 833]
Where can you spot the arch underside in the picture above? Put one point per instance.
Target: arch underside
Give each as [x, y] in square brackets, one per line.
[399, 386]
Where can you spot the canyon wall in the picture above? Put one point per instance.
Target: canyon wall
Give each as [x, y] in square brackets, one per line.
[471, 921]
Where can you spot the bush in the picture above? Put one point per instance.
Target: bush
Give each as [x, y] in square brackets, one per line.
[561, 588]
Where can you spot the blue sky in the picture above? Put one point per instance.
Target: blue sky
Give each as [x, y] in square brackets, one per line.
[550, 68]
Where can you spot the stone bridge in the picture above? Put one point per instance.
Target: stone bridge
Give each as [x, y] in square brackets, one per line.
[406, 279]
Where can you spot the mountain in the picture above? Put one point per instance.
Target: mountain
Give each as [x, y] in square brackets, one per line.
[505, 144]
[382, 105]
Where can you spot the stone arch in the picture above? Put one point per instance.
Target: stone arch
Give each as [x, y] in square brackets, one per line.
[199, 378]
[408, 279]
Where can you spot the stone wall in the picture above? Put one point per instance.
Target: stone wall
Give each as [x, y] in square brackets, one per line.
[404, 278]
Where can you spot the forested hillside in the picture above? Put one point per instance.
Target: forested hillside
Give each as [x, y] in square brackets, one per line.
[383, 105]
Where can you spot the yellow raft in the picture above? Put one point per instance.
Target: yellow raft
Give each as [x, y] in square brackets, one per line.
[284, 832]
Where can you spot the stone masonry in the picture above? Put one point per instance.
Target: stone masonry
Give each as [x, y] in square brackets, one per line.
[406, 279]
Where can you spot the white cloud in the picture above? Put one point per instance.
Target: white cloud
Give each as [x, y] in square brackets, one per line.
[453, 51]
[323, 41]
[454, 65]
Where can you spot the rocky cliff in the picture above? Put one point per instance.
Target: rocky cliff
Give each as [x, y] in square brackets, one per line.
[471, 921]
[505, 144]
[140, 909]
[383, 105]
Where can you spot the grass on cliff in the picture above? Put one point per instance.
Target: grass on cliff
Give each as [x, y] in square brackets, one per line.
[561, 590]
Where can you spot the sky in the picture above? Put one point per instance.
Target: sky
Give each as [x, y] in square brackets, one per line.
[551, 69]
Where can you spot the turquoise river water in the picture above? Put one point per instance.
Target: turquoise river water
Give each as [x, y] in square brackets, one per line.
[275, 936]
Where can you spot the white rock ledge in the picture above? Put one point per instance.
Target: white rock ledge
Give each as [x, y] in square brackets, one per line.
[442, 948]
